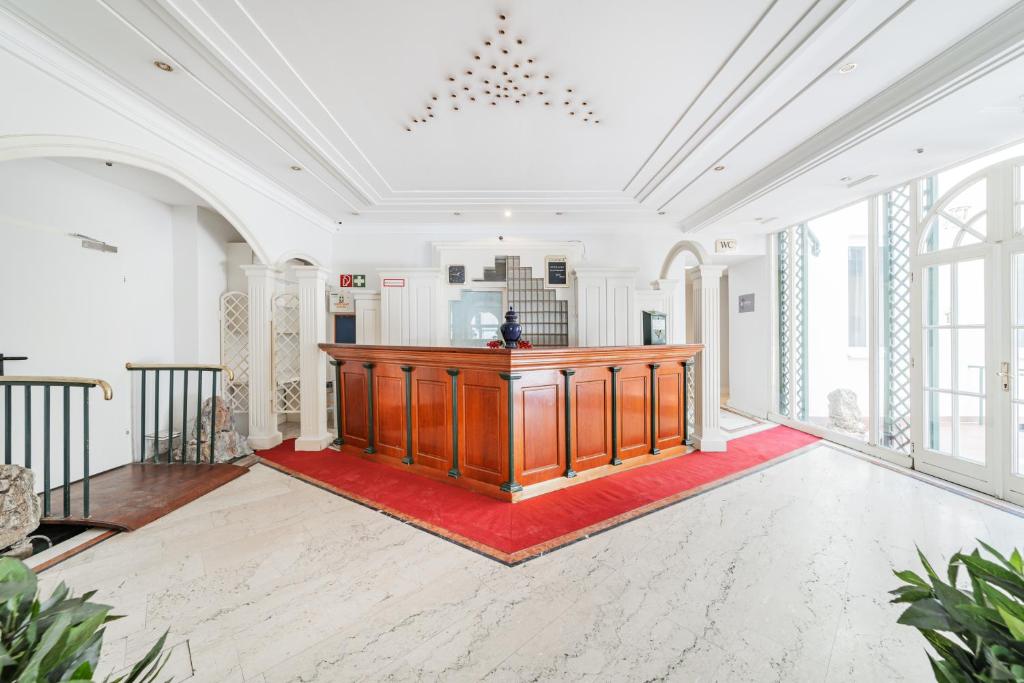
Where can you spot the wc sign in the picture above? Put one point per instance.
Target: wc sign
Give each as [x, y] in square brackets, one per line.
[724, 246]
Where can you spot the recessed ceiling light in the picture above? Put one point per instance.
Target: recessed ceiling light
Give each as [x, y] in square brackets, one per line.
[457, 213]
[719, 168]
[847, 68]
[559, 213]
[919, 150]
[661, 213]
[845, 179]
[295, 168]
[354, 213]
[108, 163]
[163, 66]
[508, 213]
[339, 222]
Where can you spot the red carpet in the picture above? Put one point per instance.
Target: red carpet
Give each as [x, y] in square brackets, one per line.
[513, 532]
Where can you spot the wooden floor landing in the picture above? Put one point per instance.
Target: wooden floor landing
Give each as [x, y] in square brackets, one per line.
[132, 496]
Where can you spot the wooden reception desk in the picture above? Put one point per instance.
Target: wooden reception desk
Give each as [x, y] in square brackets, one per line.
[513, 423]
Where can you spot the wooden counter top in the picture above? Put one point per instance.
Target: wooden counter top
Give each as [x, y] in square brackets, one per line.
[499, 360]
[513, 423]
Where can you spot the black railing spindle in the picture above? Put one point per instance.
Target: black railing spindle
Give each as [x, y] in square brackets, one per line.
[213, 415]
[184, 419]
[67, 451]
[7, 425]
[46, 452]
[156, 416]
[85, 451]
[199, 415]
[170, 418]
[142, 414]
[28, 426]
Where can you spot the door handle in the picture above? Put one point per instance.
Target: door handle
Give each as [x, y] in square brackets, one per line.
[1004, 373]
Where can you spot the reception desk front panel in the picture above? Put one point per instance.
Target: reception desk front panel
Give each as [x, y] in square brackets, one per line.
[513, 423]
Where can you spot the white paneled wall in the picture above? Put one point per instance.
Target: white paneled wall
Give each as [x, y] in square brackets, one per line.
[367, 317]
[606, 306]
[411, 314]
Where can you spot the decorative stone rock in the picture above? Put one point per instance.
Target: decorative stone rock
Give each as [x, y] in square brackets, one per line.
[19, 505]
[229, 444]
[843, 413]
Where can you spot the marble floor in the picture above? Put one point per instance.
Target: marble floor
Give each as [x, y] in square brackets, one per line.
[779, 576]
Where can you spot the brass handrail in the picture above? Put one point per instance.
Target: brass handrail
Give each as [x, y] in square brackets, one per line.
[108, 393]
[182, 366]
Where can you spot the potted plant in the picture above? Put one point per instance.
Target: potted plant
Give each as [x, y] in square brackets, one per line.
[57, 639]
[978, 634]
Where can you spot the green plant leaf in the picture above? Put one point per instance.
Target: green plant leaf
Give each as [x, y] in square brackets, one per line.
[147, 668]
[993, 573]
[927, 614]
[911, 578]
[927, 566]
[1016, 562]
[1015, 625]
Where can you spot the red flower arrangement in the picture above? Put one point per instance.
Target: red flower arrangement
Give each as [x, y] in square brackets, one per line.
[498, 344]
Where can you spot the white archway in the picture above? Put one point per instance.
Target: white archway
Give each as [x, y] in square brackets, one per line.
[13, 148]
[685, 246]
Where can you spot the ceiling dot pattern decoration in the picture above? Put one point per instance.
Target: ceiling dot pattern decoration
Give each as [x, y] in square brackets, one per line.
[503, 71]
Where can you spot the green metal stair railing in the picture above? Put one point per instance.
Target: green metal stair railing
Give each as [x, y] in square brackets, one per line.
[47, 384]
[170, 371]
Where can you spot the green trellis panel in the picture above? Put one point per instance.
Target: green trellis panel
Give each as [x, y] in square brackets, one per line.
[784, 276]
[895, 297]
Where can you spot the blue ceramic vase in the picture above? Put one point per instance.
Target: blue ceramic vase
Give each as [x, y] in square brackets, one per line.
[511, 330]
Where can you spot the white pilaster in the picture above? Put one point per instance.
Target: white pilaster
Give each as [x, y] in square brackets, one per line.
[313, 435]
[674, 321]
[705, 282]
[263, 432]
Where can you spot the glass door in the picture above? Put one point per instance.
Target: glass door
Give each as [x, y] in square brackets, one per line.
[1010, 373]
[971, 265]
[958, 422]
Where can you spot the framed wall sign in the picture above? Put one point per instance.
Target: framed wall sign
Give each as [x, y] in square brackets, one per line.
[351, 280]
[746, 303]
[393, 282]
[725, 246]
[456, 275]
[556, 271]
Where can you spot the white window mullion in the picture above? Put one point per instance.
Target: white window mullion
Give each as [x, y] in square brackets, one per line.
[874, 289]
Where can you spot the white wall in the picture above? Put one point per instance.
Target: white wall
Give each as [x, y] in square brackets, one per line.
[79, 312]
[65, 108]
[750, 343]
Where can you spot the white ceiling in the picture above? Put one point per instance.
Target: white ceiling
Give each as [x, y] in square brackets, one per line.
[680, 88]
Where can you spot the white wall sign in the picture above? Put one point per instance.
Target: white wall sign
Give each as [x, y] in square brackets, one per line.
[393, 282]
[342, 302]
[723, 246]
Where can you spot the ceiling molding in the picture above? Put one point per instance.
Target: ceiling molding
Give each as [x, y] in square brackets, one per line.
[763, 70]
[216, 56]
[26, 42]
[984, 51]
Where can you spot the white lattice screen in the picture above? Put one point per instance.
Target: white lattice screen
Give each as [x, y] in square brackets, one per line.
[234, 348]
[286, 353]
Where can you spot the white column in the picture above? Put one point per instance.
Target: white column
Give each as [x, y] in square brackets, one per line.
[705, 282]
[263, 432]
[313, 435]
